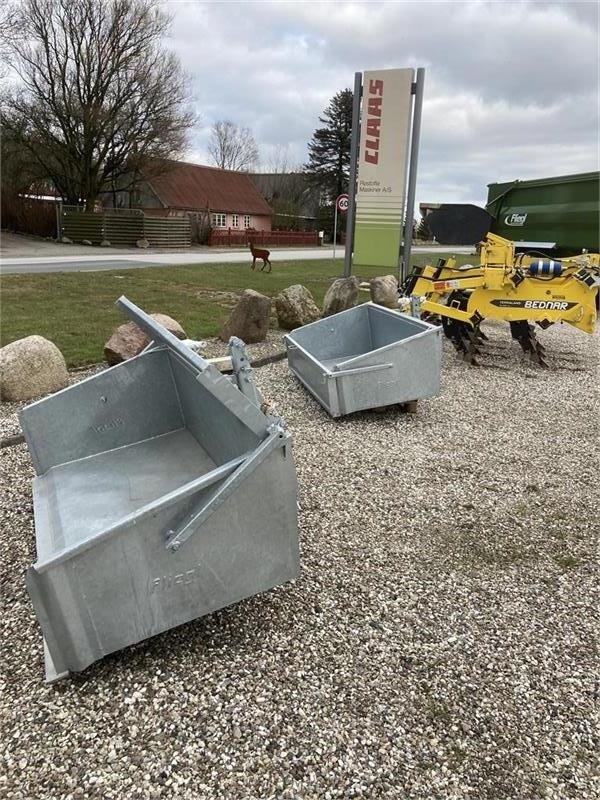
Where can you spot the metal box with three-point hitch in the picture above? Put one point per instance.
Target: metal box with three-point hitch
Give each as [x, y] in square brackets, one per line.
[163, 493]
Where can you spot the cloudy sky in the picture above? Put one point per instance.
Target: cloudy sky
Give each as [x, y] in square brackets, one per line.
[511, 87]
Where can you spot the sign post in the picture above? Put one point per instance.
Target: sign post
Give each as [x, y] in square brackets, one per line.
[354, 138]
[341, 204]
[383, 135]
[404, 262]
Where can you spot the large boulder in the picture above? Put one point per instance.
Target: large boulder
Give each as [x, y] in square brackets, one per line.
[249, 318]
[342, 294]
[384, 291]
[295, 307]
[128, 340]
[31, 367]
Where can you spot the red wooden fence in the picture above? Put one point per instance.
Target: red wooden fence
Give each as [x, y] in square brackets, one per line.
[220, 237]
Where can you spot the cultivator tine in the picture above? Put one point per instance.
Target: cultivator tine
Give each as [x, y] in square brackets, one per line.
[475, 348]
[468, 349]
[524, 333]
[465, 339]
[516, 329]
[471, 340]
[469, 358]
[540, 352]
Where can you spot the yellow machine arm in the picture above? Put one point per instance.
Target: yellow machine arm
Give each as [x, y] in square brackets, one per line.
[517, 289]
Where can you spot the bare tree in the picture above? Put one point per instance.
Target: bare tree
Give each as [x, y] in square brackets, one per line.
[8, 29]
[277, 159]
[232, 147]
[286, 188]
[99, 97]
[20, 174]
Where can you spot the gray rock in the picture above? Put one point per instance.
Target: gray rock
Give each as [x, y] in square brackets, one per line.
[128, 340]
[249, 318]
[342, 294]
[86, 241]
[384, 291]
[105, 243]
[31, 367]
[142, 243]
[295, 307]
[66, 240]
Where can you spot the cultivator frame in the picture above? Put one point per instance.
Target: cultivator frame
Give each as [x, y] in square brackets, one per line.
[518, 289]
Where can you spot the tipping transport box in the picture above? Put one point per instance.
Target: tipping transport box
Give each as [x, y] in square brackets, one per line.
[145, 501]
[366, 357]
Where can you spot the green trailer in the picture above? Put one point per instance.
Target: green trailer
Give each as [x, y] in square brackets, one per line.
[560, 214]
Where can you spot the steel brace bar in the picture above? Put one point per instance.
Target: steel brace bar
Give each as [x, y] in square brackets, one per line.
[342, 373]
[175, 538]
[156, 332]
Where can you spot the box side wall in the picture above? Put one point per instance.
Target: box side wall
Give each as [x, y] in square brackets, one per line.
[414, 374]
[220, 432]
[389, 327]
[339, 336]
[313, 376]
[133, 401]
[128, 587]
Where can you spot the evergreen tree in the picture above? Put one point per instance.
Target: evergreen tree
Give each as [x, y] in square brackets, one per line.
[329, 150]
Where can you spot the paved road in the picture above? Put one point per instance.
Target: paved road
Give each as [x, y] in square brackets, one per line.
[28, 264]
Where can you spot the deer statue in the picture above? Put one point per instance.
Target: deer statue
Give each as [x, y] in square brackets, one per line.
[262, 254]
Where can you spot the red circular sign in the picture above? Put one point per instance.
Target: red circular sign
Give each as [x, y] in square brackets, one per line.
[342, 202]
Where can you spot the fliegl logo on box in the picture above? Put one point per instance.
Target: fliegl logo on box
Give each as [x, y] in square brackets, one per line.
[515, 220]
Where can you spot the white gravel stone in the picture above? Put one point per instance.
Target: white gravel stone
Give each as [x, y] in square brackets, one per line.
[441, 641]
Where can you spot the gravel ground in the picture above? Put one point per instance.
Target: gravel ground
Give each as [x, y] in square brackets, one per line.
[440, 642]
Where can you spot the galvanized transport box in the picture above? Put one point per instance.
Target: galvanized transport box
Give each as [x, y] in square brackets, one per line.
[366, 357]
[162, 494]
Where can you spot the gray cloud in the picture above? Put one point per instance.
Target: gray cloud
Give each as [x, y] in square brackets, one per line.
[511, 88]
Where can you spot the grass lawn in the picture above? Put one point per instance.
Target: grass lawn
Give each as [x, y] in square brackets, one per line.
[76, 310]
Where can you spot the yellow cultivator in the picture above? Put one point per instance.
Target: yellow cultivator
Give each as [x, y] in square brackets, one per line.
[520, 289]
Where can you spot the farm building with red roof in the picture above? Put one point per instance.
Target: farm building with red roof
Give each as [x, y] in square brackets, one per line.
[224, 198]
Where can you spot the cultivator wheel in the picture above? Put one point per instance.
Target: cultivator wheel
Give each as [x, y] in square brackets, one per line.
[524, 333]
